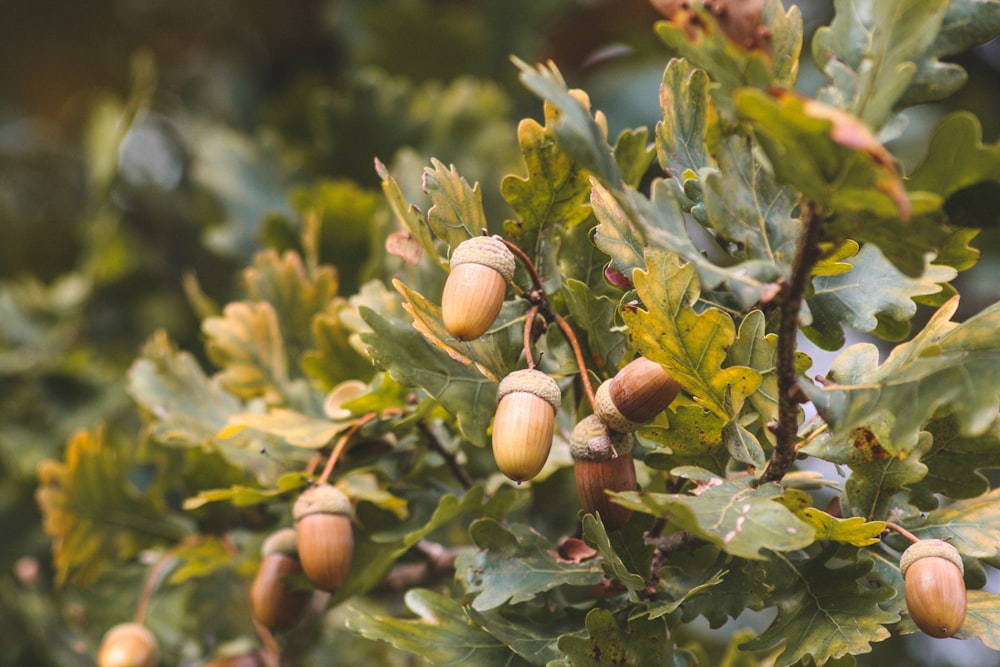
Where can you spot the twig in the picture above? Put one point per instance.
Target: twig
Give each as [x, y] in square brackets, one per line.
[789, 390]
[902, 531]
[529, 324]
[341, 444]
[575, 344]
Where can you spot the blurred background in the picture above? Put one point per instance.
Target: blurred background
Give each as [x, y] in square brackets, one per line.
[149, 147]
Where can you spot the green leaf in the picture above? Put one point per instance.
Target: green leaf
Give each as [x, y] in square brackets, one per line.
[295, 428]
[456, 211]
[982, 618]
[966, 23]
[583, 138]
[869, 51]
[703, 37]
[694, 438]
[755, 348]
[739, 519]
[461, 389]
[853, 530]
[681, 135]
[377, 549]
[873, 297]
[972, 526]
[641, 643]
[443, 634]
[93, 513]
[495, 353]
[334, 357]
[945, 369]
[615, 236]
[595, 316]
[246, 343]
[747, 209]
[596, 536]
[412, 218]
[556, 190]
[516, 564]
[954, 462]
[691, 346]
[870, 489]
[532, 633]
[730, 585]
[823, 612]
[187, 407]
[633, 154]
[295, 294]
[240, 495]
[828, 155]
[956, 157]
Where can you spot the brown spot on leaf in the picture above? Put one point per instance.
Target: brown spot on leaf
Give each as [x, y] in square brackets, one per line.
[866, 444]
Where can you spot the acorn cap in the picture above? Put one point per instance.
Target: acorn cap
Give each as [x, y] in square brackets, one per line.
[486, 250]
[930, 549]
[534, 382]
[321, 499]
[593, 441]
[609, 412]
[280, 542]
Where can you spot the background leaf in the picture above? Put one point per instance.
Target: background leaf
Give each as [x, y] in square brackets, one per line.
[456, 212]
[641, 642]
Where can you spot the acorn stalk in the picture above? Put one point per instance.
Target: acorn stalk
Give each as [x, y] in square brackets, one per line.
[481, 269]
[527, 401]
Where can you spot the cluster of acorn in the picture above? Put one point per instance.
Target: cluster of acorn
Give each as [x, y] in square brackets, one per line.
[528, 400]
[321, 547]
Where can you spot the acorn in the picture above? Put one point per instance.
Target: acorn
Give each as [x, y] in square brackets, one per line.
[935, 591]
[481, 269]
[128, 645]
[527, 402]
[275, 601]
[640, 391]
[323, 533]
[602, 462]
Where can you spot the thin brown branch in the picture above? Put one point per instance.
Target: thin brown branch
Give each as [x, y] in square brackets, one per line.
[789, 391]
[578, 353]
[438, 562]
[342, 444]
[902, 531]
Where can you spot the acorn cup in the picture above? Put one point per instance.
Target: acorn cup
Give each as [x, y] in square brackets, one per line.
[275, 602]
[128, 645]
[602, 462]
[934, 587]
[640, 391]
[527, 401]
[323, 532]
[481, 269]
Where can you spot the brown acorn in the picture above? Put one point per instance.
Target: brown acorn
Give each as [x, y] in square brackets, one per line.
[323, 533]
[640, 391]
[481, 269]
[128, 645]
[602, 461]
[935, 591]
[527, 401]
[275, 602]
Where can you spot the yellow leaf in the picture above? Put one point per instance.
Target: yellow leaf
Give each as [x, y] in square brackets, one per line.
[853, 530]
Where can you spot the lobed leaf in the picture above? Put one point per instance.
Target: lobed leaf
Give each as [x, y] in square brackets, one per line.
[947, 369]
[823, 612]
[972, 526]
[739, 519]
[691, 346]
[247, 344]
[694, 438]
[93, 514]
[641, 642]
[515, 564]
[555, 191]
[456, 211]
[681, 135]
[443, 633]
